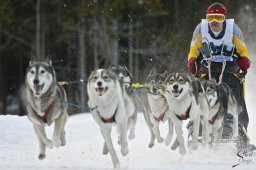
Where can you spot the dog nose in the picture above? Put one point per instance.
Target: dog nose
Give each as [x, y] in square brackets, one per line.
[36, 81]
[175, 87]
[154, 90]
[99, 83]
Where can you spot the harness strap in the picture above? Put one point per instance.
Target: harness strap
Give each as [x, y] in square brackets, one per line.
[185, 115]
[212, 120]
[46, 112]
[111, 119]
[161, 116]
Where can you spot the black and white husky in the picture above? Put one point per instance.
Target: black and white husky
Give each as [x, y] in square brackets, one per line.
[43, 98]
[159, 109]
[222, 101]
[186, 101]
[110, 105]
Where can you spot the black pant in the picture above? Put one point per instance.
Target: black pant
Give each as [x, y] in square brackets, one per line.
[237, 87]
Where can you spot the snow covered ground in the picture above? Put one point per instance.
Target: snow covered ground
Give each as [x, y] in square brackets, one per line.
[19, 146]
[19, 149]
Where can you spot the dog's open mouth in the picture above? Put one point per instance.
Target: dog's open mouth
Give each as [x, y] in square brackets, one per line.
[100, 90]
[38, 88]
[177, 92]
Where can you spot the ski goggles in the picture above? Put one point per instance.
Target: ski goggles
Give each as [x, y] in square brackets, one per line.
[215, 17]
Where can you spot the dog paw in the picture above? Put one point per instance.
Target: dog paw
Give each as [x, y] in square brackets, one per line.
[194, 147]
[105, 151]
[124, 151]
[167, 140]
[57, 143]
[41, 156]
[175, 145]
[151, 144]
[63, 142]
[182, 151]
[48, 143]
[160, 140]
[117, 166]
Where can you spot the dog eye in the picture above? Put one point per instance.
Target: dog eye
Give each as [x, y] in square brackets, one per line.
[32, 72]
[105, 77]
[42, 72]
[171, 81]
[181, 80]
[95, 78]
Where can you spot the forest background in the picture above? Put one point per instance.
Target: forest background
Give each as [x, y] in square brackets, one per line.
[83, 35]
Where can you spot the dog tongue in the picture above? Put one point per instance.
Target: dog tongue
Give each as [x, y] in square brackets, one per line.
[100, 90]
[38, 88]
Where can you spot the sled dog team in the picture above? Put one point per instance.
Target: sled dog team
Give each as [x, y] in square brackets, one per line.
[168, 96]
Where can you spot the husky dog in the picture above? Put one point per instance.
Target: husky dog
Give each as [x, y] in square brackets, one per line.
[44, 98]
[185, 101]
[139, 97]
[110, 105]
[123, 73]
[222, 101]
[126, 79]
[159, 109]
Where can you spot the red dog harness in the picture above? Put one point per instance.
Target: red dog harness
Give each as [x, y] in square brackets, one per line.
[185, 115]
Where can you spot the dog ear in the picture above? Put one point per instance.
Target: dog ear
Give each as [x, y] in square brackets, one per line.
[153, 71]
[111, 67]
[32, 60]
[167, 78]
[214, 81]
[165, 74]
[48, 60]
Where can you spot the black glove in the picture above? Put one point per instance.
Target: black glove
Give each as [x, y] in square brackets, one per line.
[242, 74]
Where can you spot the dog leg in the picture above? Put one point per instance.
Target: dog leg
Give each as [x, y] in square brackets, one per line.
[205, 130]
[132, 123]
[235, 126]
[124, 144]
[179, 132]
[39, 129]
[157, 132]
[219, 136]
[175, 144]
[106, 133]
[59, 129]
[105, 149]
[149, 124]
[63, 138]
[168, 138]
[196, 124]
[42, 148]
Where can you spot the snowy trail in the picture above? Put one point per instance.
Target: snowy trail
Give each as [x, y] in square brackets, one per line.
[18, 149]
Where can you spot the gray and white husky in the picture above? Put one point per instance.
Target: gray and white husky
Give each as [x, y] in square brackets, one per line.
[126, 79]
[186, 101]
[110, 105]
[139, 98]
[43, 98]
[222, 101]
[159, 109]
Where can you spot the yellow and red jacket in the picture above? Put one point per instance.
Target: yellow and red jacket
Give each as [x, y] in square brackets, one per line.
[243, 63]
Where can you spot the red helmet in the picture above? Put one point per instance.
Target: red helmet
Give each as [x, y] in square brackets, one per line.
[217, 8]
